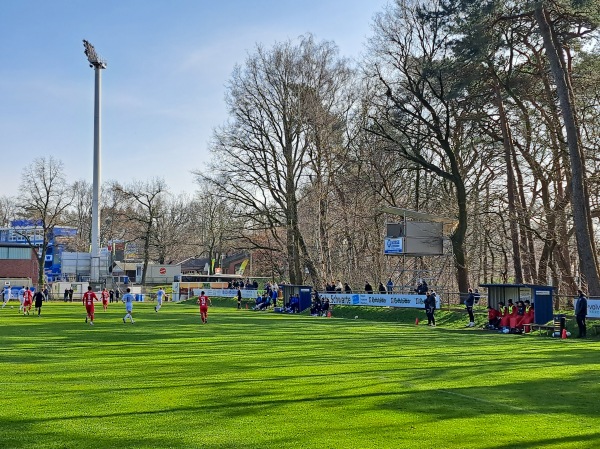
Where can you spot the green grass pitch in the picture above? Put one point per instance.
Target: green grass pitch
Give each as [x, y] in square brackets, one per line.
[262, 380]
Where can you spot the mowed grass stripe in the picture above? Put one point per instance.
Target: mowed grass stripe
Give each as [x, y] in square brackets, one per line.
[250, 379]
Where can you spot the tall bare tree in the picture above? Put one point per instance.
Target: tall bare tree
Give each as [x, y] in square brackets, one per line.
[417, 112]
[44, 195]
[261, 155]
[145, 207]
[8, 208]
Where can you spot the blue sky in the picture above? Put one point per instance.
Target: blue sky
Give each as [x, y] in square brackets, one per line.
[168, 63]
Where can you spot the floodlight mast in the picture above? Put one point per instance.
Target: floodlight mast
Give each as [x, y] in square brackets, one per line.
[98, 64]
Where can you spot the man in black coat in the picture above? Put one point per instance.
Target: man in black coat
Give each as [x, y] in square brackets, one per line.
[581, 313]
[39, 300]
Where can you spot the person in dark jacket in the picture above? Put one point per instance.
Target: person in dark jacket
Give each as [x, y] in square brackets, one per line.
[469, 303]
[368, 288]
[581, 313]
[347, 288]
[430, 309]
[382, 288]
[39, 300]
[422, 288]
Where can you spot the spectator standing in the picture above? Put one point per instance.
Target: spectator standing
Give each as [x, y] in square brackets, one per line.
[469, 303]
[382, 288]
[111, 295]
[368, 288]
[422, 287]
[46, 293]
[347, 288]
[338, 286]
[430, 309]
[239, 298]
[39, 299]
[274, 295]
[71, 294]
[581, 313]
[66, 295]
[432, 305]
[390, 285]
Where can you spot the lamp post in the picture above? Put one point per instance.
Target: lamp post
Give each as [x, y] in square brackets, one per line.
[97, 64]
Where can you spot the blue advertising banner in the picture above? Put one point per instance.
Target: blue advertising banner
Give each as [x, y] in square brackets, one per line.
[394, 245]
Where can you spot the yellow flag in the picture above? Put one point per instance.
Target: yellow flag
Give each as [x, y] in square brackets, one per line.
[243, 267]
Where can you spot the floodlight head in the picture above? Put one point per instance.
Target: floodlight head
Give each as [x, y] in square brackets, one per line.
[95, 60]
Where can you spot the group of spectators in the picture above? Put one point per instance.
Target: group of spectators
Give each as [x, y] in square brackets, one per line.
[247, 285]
[267, 299]
[338, 287]
[319, 307]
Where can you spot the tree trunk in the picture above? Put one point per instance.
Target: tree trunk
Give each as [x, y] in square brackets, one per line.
[458, 240]
[510, 181]
[581, 220]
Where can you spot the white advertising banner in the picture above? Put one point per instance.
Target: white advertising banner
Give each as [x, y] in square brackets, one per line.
[593, 308]
[227, 292]
[378, 300]
[214, 292]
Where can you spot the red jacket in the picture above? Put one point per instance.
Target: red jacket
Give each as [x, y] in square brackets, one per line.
[493, 314]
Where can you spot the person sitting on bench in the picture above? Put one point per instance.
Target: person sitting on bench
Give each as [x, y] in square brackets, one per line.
[511, 315]
[517, 317]
[505, 314]
[315, 308]
[527, 317]
[266, 302]
[294, 304]
[493, 318]
[325, 307]
[260, 302]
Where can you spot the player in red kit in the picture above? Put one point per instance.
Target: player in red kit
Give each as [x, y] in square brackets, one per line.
[204, 302]
[104, 296]
[88, 301]
[27, 301]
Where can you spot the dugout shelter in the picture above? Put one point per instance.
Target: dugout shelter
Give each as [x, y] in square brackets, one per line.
[304, 292]
[541, 296]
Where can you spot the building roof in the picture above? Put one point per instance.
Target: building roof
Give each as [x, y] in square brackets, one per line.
[449, 224]
[194, 264]
[13, 245]
[124, 266]
[515, 286]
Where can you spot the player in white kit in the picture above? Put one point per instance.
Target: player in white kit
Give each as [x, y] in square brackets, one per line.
[7, 295]
[128, 300]
[21, 296]
[160, 294]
